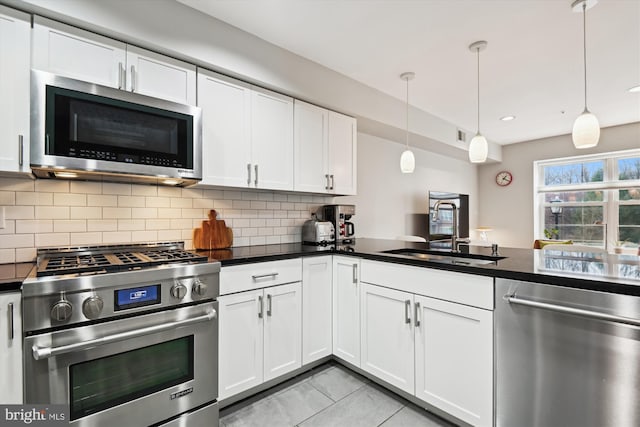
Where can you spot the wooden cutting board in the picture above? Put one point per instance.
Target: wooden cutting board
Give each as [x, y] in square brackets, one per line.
[214, 233]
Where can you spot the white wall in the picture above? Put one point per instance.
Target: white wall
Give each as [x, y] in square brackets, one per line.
[386, 196]
[509, 210]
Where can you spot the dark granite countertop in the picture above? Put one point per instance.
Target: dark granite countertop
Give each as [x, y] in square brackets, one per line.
[12, 275]
[599, 272]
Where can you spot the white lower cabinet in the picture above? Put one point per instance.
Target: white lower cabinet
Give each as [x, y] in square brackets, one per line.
[387, 335]
[260, 336]
[454, 359]
[10, 348]
[346, 309]
[316, 308]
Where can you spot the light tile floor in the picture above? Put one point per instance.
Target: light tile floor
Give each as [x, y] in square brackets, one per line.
[328, 396]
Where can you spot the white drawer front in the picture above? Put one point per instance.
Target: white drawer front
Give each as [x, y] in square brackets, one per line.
[239, 278]
[457, 287]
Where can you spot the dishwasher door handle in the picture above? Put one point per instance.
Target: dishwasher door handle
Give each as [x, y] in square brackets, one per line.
[512, 299]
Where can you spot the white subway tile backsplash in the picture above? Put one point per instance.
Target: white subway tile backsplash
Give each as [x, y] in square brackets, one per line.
[80, 212]
[34, 199]
[69, 225]
[34, 226]
[63, 213]
[51, 186]
[69, 199]
[51, 239]
[53, 212]
[102, 200]
[131, 202]
[116, 188]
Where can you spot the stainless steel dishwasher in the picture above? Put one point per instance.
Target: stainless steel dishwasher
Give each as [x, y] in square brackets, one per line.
[566, 357]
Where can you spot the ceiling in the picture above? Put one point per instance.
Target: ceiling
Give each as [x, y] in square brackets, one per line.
[532, 67]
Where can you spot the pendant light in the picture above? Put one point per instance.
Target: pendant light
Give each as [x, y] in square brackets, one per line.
[478, 147]
[586, 129]
[407, 159]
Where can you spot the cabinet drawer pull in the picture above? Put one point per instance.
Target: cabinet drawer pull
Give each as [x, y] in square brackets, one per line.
[260, 307]
[269, 305]
[262, 276]
[10, 312]
[20, 150]
[416, 321]
[355, 273]
[407, 310]
[248, 173]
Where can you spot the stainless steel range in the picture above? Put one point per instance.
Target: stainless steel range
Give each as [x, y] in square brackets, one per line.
[124, 334]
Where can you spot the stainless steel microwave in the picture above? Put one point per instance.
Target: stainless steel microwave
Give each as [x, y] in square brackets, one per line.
[87, 131]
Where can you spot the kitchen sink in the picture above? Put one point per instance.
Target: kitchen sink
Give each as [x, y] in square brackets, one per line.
[447, 257]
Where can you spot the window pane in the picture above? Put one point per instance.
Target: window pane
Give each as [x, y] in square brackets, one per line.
[574, 173]
[576, 196]
[629, 168]
[582, 224]
[629, 220]
[630, 194]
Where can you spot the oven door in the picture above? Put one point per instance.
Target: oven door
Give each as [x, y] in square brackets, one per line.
[139, 370]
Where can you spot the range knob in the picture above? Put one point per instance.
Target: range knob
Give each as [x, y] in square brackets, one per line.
[61, 311]
[178, 291]
[199, 287]
[92, 307]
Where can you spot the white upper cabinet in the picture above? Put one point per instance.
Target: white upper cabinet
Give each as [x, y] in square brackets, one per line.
[325, 151]
[156, 75]
[15, 36]
[311, 148]
[247, 134]
[83, 55]
[272, 139]
[226, 133]
[343, 150]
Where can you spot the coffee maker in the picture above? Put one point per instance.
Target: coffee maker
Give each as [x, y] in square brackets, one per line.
[340, 215]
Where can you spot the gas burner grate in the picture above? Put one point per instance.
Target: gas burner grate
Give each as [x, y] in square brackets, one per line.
[128, 257]
[173, 255]
[74, 264]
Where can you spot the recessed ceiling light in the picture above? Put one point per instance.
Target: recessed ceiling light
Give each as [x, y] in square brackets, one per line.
[635, 89]
[507, 118]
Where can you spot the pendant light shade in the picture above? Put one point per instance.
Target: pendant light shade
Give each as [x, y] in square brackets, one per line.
[407, 159]
[478, 147]
[586, 129]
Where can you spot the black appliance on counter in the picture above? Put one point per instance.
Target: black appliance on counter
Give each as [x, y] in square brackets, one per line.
[123, 334]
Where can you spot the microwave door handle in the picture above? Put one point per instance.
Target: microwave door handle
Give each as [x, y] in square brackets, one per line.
[75, 127]
[40, 353]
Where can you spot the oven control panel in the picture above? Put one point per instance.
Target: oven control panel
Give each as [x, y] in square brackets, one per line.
[118, 294]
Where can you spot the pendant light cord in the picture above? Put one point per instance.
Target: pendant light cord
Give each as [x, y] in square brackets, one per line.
[407, 118]
[584, 50]
[478, 55]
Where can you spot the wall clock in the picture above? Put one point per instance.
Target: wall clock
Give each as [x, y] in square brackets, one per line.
[504, 178]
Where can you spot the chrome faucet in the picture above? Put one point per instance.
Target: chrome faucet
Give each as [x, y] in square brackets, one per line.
[455, 241]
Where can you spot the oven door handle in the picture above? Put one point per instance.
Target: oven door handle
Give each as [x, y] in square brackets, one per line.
[47, 352]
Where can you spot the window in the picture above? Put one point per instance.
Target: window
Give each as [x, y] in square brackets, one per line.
[592, 200]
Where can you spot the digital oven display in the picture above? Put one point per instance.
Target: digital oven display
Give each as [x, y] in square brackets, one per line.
[137, 297]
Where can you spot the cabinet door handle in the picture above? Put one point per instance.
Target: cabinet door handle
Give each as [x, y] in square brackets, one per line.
[268, 304]
[260, 307]
[332, 182]
[248, 173]
[256, 169]
[120, 75]
[133, 78]
[416, 321]
[20, 150]
[10, 312]
[355, 273]
[407, 310]
[326, 176]
[262, 276]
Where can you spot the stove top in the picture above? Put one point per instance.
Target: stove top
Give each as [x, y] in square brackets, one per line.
[112, 258]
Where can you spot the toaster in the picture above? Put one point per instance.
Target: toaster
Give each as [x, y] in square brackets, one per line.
[316, 232]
